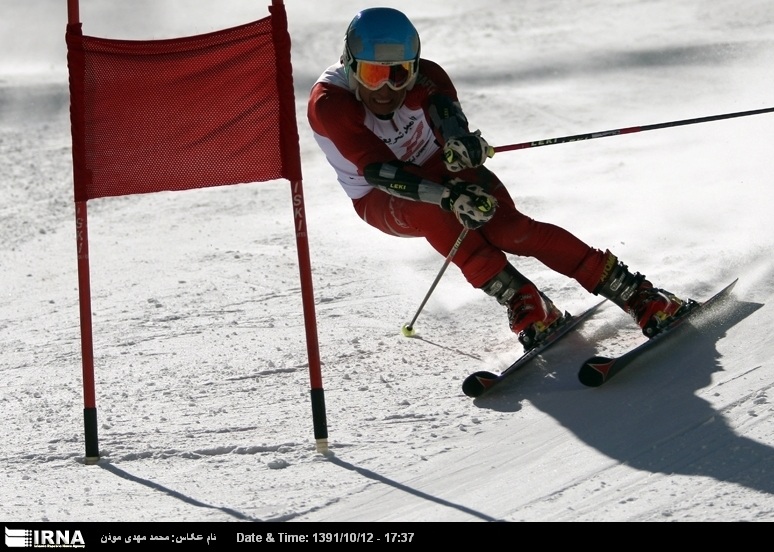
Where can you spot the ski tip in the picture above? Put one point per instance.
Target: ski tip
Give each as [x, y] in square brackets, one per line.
[595, 370]
[725, 291]
[477, 383]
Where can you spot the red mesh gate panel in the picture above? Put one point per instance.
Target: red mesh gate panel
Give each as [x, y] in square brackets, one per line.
[174, 114]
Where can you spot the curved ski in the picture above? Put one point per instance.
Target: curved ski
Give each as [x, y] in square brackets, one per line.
[480, 382]
[597, 370]
[475, 384]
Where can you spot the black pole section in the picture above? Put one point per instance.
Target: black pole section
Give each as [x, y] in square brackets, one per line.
[92, 440]
[319, 420]
[628, 130]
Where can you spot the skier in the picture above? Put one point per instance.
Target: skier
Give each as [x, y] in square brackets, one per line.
[391, 126]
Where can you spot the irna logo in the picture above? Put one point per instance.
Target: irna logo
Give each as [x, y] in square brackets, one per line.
[28, 538]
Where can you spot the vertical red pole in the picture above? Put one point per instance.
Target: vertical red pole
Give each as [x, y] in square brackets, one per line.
[82, 245]
[291, 161]
[72, 12]
[319, 418]
[87, 342]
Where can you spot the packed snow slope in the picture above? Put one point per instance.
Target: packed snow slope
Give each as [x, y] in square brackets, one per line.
[201, 364]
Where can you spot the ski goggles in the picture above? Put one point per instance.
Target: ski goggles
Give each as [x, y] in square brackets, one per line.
[374, 75]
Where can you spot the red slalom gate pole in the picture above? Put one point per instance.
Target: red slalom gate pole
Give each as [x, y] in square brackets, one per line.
[626, 130]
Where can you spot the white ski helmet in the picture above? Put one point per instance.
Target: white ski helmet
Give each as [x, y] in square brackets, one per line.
[381, 47]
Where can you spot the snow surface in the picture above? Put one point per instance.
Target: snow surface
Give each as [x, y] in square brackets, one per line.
[201, 363]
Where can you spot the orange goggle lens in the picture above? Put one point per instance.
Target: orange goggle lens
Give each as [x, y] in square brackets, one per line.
[375, 75]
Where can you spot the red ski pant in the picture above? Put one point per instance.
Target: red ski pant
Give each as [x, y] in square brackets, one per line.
[482, 254]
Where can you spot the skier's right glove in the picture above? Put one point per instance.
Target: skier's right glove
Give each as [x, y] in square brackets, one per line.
[469, 202]
[466, 152]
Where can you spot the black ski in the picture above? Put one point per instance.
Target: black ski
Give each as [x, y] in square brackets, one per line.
[478, 383]
[597, 370]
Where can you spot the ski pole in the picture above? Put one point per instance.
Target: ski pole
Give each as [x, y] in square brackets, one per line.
[408, 329]
[625, 130]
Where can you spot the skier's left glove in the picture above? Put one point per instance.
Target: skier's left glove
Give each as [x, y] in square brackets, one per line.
[472, 206]
[466, 152]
